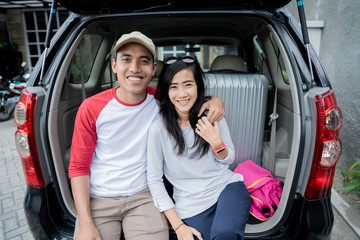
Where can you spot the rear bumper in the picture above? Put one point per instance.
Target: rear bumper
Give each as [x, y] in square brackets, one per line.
[45, 218]
[307, 219]
[318, 219]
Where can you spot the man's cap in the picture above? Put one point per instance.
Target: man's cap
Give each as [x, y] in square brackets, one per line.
[135, 37]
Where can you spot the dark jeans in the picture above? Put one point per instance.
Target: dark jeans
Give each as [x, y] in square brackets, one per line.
[227, 218]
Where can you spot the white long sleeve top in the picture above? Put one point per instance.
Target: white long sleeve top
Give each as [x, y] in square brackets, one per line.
[197, 182]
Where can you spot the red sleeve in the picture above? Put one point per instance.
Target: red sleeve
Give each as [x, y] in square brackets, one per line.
[152, 91]
[85, 137]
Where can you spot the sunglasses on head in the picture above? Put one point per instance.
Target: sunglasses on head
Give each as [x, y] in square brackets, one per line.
[185, 59]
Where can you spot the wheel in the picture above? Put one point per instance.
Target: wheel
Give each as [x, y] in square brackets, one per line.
[5, 114]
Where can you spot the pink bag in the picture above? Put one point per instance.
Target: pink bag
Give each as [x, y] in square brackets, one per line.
[265, 191]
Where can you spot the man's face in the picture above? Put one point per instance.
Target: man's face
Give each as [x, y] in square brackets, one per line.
[134, 68]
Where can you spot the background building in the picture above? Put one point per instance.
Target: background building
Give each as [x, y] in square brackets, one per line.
[23, 27]
[333, 25]
[335, 29]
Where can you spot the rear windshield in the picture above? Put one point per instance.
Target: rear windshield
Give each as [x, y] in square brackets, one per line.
[204, 53]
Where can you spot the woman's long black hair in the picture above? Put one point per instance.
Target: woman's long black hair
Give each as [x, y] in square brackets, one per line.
[167, 109]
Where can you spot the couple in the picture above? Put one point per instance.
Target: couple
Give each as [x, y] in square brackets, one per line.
[109, 157]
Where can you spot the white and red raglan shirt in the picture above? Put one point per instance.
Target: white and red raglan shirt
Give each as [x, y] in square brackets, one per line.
[109, 143]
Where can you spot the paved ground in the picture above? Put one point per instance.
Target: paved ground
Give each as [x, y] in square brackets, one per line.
[13, 224]
[346, 224]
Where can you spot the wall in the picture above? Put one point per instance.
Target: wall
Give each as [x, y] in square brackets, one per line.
[340, 54]
[15, 27]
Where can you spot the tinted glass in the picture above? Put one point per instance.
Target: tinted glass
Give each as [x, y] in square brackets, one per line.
[83, 59]
[41, 21]
[29, 20]
[204, 53]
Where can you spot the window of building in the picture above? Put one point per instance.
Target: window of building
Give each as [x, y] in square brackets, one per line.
[35, 27]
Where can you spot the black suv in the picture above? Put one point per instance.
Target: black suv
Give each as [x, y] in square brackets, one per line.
[280, 107]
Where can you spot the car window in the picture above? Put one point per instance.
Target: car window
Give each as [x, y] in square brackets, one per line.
[284, 73]
[109, 77]
[83, 58]
[260, 58]
[204, 53]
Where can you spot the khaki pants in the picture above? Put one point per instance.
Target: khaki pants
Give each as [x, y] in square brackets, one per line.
[136, 215]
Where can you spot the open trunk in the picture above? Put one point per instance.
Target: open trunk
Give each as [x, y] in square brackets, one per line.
[248, 92]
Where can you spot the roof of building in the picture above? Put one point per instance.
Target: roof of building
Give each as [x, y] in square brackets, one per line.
[9, 4]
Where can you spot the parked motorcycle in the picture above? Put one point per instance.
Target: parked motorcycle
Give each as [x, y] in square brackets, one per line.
[10, 91]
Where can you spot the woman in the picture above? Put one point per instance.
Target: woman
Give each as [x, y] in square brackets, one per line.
[211, 202]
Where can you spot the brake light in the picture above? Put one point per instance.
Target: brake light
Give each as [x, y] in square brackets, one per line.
[25, 139]
[327, 146]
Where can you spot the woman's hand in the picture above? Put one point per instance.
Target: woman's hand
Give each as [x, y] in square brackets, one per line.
[216, 109]
[185, 232]
[209, 132]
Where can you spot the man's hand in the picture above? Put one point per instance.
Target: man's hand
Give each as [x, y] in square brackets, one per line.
[80, 186]
[216, 109]
[87, 231]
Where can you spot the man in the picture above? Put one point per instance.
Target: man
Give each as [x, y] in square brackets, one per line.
[108, 153]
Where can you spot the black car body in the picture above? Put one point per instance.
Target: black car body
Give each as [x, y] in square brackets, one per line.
[268, 39]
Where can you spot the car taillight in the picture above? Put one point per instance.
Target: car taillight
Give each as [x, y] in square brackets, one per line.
[327, 146]
[24, 114]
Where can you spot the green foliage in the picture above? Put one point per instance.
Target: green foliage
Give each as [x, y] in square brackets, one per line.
[14, 46]
[3, 45]
[352, 178]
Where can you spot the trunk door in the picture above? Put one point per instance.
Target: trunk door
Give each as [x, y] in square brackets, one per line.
[115, 6]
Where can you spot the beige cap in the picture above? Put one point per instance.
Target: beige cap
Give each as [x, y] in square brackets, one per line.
[135, 37]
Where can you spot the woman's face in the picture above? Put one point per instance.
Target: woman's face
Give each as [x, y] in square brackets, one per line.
[183, 91]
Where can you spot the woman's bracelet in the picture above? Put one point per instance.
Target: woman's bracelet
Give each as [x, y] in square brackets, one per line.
[222, 148]
[178, 226]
